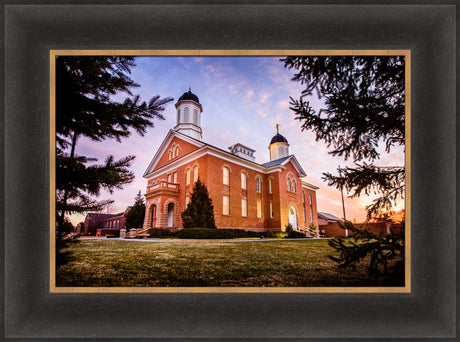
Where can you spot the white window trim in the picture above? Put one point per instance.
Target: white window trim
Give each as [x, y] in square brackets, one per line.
[258, 185]
[195, 174]
[188, 176]
[259, 206]
[245, 207]
[244, 181]
[226, 175]
[227, 213]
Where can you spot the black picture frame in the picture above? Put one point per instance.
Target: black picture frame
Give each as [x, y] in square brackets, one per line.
[33, 28]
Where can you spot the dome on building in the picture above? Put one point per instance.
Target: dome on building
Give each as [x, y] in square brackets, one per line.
[278, 138]
[189, 96]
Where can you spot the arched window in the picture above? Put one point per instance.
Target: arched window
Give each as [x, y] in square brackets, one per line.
[309, 198]
[195, 117]
[178, 116]
[153, 216]
[270, 186]
[293, 185]
[226, 175]
[195, 173]
[169, 154]
[243, 180]
[186, 115]
[258, 185]
[187, 176]
[288, 184]
[177, 150]
[303, 196]
[173, 151]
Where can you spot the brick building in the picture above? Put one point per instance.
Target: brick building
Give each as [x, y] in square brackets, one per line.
[245, 194]
[99, 224]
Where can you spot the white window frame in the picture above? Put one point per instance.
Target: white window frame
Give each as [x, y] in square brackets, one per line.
[195, 174]
[244, 181]
[270, 204]
[175, 177]
[244, 207]
[225, 205]
[259, 209]
[288, 184]
[258, 185]
[186, 115]
[293, 185]
[226, 175]
[269, 186]
[187, 173]
[309, 198]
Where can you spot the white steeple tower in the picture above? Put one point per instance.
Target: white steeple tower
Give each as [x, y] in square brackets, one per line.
[189, 112]
[279, 147]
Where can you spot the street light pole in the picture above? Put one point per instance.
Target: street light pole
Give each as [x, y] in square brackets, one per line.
[343, 202]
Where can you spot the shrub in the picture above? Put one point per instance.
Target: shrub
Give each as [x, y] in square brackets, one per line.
[210, 233]
[381, 248]
[288, 228]
[294, 234]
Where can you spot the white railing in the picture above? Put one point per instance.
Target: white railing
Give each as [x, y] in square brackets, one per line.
[308, 231]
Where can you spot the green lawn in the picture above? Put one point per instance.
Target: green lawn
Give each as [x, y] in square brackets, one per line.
[179, 263]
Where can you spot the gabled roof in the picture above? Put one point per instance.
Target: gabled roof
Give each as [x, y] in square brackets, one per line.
[164, 145]
[328, 216]
[265, 168]
[283, 161]
[275, 162]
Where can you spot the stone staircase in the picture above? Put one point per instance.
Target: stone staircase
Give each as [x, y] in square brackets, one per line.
[139, 233]
[308, 232]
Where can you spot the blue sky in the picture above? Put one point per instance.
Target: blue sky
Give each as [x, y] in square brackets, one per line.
[243, 98]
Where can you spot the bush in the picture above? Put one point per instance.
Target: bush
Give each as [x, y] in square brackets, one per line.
[210, 233]
[383, 250]
[294, 234]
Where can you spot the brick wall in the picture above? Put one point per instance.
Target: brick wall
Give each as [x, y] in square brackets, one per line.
[210, 171]
[333, 229]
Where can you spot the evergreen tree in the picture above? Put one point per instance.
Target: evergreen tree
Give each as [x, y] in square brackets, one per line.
[364, 100]
[135, 215]
[85, 106]
[200, 211]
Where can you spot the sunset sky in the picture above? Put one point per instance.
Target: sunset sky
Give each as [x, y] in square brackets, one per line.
[243, 98]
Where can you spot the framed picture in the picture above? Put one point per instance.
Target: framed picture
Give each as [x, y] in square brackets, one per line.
[34, 36]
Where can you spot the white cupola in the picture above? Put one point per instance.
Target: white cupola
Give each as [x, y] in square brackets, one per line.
[279, 147]
[189, 112]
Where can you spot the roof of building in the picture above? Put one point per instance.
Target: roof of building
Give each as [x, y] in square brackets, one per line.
[278, 138]
[201, 144]
[189, 96]
[243, 146]
[275, 162]
[328, 216]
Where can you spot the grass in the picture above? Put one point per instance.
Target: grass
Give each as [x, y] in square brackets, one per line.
[174, 263]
